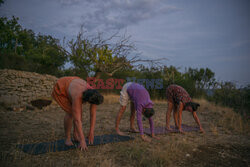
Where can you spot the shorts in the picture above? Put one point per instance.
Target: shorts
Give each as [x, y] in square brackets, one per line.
[60, 93]
[124, 97]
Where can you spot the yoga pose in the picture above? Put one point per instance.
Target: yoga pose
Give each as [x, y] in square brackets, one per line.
[140, 103]
[70, 93]
[178, 99]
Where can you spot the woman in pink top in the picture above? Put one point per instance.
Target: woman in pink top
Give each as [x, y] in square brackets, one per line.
[179, 99]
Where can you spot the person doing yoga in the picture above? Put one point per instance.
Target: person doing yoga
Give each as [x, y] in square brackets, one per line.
[70, 93]
[179, 100]
[140, 103]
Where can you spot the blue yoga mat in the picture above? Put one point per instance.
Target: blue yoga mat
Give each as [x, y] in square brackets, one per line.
[54, 146]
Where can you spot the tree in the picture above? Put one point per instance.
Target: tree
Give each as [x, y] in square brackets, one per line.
[204, 78]
[46, 55]
[96, 55]
[171, 74]
[22, 49]
[9, 34]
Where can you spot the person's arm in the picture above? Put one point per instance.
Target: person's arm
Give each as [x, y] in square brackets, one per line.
[118, 118]
[139, 120]
[180, 108]
[92, 122]
[197, 121]
[132, 118]
[151, 123]
[176, 119]
[77, 120]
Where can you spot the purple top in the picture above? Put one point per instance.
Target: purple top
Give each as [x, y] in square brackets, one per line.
[141, 99]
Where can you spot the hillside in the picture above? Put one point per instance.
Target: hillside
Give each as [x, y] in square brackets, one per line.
[224, 143]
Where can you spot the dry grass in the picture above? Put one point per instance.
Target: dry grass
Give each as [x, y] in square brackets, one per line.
[114, 98]
[170, 150]
[111, 98]
[214, 129]
[224, 117]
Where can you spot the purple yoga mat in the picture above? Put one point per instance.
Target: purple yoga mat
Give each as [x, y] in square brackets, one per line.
[163, 130]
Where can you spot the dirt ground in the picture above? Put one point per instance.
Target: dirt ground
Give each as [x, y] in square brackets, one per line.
[221, 145]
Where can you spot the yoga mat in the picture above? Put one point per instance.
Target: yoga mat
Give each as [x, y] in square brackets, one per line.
[53, 146]
[163, 130]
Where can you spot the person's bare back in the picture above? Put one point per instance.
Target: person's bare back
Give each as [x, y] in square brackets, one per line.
[76, 89]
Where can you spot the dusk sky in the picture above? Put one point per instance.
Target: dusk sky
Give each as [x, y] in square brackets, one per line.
[189, 33]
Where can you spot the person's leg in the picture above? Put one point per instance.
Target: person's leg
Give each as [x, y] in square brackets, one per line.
[75, 134]
[168, 114]
[118, 118]
[67, 128]
[132, 117]
[176, 117]
[124, 99]
[180, 108]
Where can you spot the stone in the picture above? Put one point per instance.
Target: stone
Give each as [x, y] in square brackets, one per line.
[19, 87]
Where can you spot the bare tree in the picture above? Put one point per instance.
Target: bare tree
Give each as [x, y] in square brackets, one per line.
[96, 54]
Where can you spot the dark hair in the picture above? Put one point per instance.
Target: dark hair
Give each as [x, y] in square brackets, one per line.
[149, 112]
[193, 105]
[92, 96]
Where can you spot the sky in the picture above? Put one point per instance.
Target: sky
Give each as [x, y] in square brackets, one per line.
[210, 34]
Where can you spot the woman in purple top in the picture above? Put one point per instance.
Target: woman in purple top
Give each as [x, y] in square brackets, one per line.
[178, 97]
[140, 104]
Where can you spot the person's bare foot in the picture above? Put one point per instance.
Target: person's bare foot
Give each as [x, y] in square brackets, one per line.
[168, 129]
[156, 137]
[145, 138]
[120, 133]
[181, 131]
[68, 142]
[133, 130]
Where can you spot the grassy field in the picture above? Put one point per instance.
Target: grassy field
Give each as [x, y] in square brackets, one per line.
[225, 143]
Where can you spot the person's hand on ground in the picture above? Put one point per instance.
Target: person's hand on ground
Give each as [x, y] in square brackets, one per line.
[91, 137]
[83, 146]
[202, 130]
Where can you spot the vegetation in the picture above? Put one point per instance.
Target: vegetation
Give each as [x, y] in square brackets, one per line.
[225, 143]
[97, 55]
[115, 57]
[22, 49]
[229, 95]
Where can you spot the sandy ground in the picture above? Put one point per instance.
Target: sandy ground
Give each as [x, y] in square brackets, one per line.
[219, 146]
